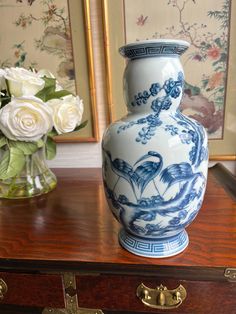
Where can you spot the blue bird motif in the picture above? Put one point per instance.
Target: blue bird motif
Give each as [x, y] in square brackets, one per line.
[147, 170]
[145, 209]
[176, 173]
[192, 188]
[141, 174]
[122, 169]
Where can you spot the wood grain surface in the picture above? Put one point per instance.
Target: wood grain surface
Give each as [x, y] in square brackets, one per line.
[72, 228]
[111, 292]
[33, 290]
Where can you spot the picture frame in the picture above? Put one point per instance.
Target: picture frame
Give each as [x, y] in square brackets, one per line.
[55, 35]
[115, 20]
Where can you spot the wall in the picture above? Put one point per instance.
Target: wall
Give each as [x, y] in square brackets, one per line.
[89, 154]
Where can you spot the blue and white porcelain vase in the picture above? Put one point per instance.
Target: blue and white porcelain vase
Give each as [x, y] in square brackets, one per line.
[155, 159]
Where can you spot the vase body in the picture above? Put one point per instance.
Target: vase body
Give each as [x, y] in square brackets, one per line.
[34, 179]
[155, 159]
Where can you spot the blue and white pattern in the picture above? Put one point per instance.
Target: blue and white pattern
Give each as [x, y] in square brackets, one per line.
[152, 50]
[190, 133]
[170, 89]
[154, 248]
[157, 215]
[155, 158]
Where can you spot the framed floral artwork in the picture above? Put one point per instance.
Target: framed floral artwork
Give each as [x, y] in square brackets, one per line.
[209, 65]
[53, 35]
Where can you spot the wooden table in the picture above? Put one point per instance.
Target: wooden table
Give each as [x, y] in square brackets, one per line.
[61, 250]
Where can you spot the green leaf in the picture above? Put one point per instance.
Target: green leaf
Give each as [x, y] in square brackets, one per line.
[49, 88]
[49, 82]
[208, 46]
[40, 143]
[22, 57]
[44, 93]
[12, 163]
[28, 148]
[218, 69]
[218, 42]
[4, 100]
[82, 125]
[51, 148]
[58, 94]
[194, 90]
[3, 140]
[4, 163]
[205, 83]
[52, 133]
[49, 91]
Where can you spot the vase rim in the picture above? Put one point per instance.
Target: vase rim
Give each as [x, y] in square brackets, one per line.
[153, 48]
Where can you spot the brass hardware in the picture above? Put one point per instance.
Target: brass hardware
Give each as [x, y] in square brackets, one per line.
[3, 289]
[79, 311]
[230, 274]
[161, 297]
[71, 299]
[89, 311]
[70, 293]
[55, 311]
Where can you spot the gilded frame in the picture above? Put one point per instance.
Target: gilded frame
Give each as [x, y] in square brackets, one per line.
[62, 44]
[113, 21]
[82, 33]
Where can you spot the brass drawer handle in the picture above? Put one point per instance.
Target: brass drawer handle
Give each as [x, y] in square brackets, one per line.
[3, 289]
[161, 297]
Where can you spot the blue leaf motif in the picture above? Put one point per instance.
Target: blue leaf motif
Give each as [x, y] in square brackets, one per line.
[147, 216]
[174, 221]
[161, 100]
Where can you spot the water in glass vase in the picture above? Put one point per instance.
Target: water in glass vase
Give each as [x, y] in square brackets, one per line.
[35, 178]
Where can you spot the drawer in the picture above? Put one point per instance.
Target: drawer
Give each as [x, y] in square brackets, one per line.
[118, 292]
[36, 290]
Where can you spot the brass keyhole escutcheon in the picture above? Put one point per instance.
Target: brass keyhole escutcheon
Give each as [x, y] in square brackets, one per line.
[161, 297]
[3, 289]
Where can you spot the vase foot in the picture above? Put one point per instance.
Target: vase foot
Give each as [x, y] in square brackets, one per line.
[160, 248]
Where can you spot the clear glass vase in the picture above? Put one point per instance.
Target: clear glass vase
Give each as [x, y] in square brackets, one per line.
[35, 178]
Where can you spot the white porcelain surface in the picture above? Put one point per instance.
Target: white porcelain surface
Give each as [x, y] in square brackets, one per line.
[155, 159]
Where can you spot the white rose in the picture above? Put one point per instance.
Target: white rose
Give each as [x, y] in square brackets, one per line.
[67, 113]
[2, 79]
[25, 119]
[23, 82]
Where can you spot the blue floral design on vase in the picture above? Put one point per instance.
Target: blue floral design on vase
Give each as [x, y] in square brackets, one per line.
[155, 159]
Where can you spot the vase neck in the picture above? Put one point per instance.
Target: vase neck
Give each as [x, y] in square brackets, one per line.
[153, 85]
[154, 48]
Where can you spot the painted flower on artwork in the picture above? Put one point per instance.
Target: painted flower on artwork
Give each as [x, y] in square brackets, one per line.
[216, 80]
[207, 30]
[213, 52]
